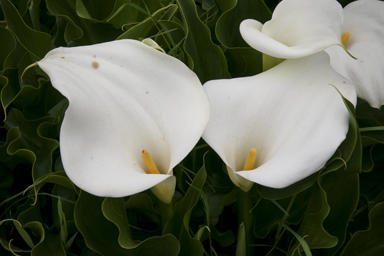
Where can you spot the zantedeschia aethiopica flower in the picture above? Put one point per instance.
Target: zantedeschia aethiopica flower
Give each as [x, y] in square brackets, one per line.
[298, 28]
[364, 22]
[292, 114]
[127, 102]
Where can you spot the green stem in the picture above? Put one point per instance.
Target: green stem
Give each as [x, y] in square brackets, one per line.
[373, 128]
[166, 211]
[286, 214]
[246, 217]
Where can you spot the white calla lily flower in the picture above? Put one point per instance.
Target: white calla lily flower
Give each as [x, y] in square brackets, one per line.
[364, 22]
[134, 113]
[292, 114]
[298, 28]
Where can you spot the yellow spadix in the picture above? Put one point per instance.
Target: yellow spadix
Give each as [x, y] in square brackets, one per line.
[149, 163]
[251, 159]
[345, 37]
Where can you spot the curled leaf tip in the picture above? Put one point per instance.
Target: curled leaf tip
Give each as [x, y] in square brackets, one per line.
[30, 66]
[152, 44]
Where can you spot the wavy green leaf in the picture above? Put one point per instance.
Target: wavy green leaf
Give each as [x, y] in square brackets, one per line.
[95, 10]
[114, 211]
[50, 246]
[144, 204]
[342, 191]
[207, 60]
[102, 236]
[370, 241]
[8, 46]
[80, 31]
[35, 42]
[312, 225]
[36, 229]
[178, 224]
[146, 28]
[130, 11]
[227, 26]
[272, 216]
[32, 143]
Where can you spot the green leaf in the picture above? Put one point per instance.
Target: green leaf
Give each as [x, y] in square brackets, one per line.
[63, 222]
[34, 10]
[301, 240]
[352, 139]
[32, 145]
[271, 215]
[100, 234]
[146, 28]
[59, 178]
[143, 203]
[80, 31]
[52, 245]
[22, 232]
[36, 229]
[8, 46]
[178, 224]
[8, 245]
[275, 194]
[35, 42]
[372, 183]
[342, 191]
[225, 239]
[241, 247]
[244, 61]
[368, 242]
[114, 211]
[312, 225]
[172, 30]
[127, 12]
[207, 60]
[199, 234]
[159, 246]
[95, 10]
[368, 116]
[372, 137]
[227, 26]
[32, 212]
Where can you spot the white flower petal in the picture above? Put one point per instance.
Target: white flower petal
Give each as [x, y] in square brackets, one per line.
[124, 97]
[364, 20]
[291, 114]
[298, 28]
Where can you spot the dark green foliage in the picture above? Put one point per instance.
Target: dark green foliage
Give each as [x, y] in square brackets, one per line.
[338, 211]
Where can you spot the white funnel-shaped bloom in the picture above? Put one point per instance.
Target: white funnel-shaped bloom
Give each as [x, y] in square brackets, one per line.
[125, 97]
[292, 114]
[364, 21]
[298, 28]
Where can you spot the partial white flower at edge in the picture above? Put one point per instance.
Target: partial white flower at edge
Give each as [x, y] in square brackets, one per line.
[125, 97]
[364, 22]
[298, 28]
[292, 115]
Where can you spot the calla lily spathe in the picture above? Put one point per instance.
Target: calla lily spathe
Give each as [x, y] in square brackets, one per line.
[364, 21]
[124, 97]
[291, 114]
[298, 28]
